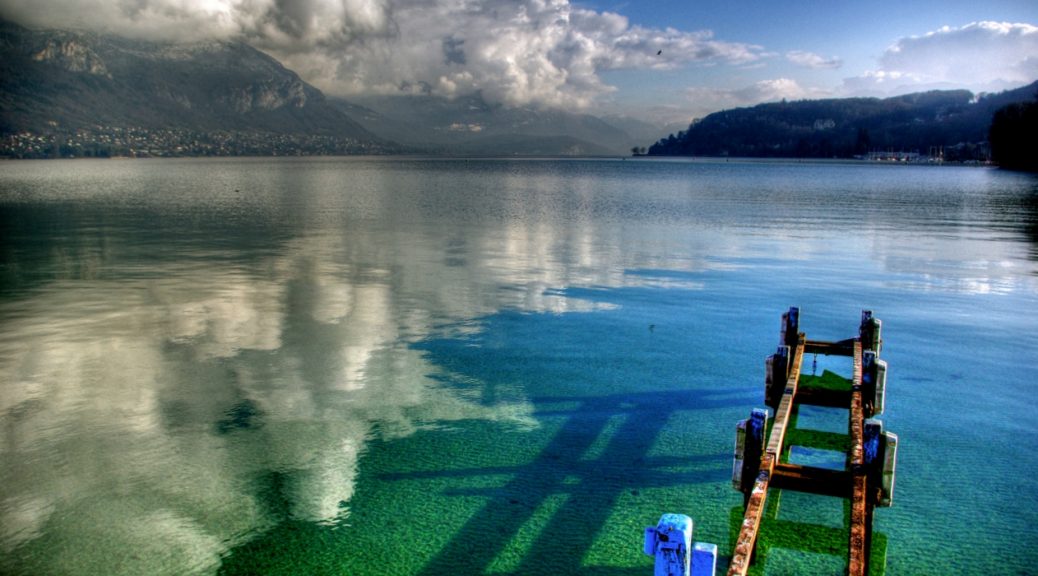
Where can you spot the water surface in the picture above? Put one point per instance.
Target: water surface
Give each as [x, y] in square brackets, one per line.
[387, 366]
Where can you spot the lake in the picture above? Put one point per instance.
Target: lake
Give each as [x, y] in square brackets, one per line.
[443, 366]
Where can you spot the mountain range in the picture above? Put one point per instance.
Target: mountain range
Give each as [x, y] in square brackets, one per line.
[469, 125]
[64, 82]
[228, 97]
[68, 93]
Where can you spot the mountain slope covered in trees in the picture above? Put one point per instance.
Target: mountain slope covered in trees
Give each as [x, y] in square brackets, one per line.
[954, 121]
[1014, 136]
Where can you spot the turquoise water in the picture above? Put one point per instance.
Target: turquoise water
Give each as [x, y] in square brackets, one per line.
[407, 366]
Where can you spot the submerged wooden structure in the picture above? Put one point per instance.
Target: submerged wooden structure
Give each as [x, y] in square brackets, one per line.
[761, 456]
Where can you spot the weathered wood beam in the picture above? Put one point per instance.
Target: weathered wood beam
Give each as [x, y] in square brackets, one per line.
[827, 348]
[811, 480]
[823, 397]
[858, 547]
[747, 539]
[785, 408]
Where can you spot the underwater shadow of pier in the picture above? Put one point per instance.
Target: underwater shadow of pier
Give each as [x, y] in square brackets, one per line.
[589, 488]
[617, 397]
[601, 452]
[612, 387]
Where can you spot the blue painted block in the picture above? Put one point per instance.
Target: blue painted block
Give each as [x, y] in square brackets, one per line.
[704, 559]
[871, 443]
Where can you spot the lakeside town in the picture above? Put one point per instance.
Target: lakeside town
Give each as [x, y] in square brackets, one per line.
[119, 142]
[136, 142]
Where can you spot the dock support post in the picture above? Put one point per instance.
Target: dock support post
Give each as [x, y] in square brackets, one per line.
[749, 448]
[869, 332]
[776, 371]
[790, 332]
[873, 383]
[704, 559]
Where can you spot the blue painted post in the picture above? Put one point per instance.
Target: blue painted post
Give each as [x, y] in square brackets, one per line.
[873, 448]
[670, 541]
[868, 381]
[880, 460]
[704, 559]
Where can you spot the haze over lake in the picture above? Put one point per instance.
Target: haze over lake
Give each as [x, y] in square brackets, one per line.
[449, 366]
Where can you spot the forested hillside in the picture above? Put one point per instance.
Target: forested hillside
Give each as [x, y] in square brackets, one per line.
[1014, 136]
[955, 123]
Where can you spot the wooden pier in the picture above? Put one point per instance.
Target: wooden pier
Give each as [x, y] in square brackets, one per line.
[868, 477]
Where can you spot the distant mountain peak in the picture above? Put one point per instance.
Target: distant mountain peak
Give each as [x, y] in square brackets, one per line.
[57, 83]
[72, 55]
[470, 125]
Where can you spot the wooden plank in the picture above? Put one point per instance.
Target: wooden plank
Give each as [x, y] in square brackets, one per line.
[778, 429]
[827, 348]
[823, 397]
[747, 539]
[857, 552]
[857, 415]
[785, 408]
[811, 480]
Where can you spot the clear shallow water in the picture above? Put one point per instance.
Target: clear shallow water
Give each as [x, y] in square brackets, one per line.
[369, 366]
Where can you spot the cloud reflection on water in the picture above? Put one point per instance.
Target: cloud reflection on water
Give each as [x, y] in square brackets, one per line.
[144, 400]
[119, 444]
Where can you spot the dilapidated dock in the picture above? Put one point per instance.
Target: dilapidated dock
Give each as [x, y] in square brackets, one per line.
[762, 453]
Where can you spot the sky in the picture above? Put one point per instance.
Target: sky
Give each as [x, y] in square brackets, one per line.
[659, 60]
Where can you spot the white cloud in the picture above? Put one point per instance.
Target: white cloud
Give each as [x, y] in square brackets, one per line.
[706, 100]
[981, 56]
[812, 60]
[540, 52]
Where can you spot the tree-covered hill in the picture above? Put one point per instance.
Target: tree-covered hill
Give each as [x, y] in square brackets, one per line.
[954, 121]
[1014, 136]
